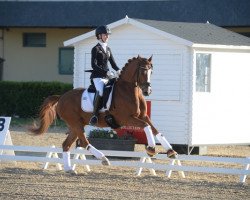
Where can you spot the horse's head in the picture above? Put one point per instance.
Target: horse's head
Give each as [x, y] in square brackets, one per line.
[138, 72]
[143, 74]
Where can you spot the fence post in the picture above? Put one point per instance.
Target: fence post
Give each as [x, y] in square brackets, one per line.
[247, 167]
[5, 138]
[169, 172]
[52, 155]
[80, 156]
[145, 160]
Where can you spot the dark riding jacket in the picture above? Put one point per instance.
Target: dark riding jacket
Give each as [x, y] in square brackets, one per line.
[99, 61]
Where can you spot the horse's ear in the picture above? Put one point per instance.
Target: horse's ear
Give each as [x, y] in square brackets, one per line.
[150, 59]
[138, 56]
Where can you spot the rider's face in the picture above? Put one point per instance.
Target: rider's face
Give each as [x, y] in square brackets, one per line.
[105, 37]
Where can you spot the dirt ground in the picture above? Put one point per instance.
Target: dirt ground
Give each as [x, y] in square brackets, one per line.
[25, 180]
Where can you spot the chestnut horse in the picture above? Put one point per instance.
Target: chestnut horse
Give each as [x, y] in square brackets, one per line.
[128, 108]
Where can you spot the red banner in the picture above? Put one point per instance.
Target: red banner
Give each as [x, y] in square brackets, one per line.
[136, 132]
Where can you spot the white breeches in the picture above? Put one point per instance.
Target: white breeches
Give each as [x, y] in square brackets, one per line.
[99, 84]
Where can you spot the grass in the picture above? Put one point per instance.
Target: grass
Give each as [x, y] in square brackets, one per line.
[19, 122]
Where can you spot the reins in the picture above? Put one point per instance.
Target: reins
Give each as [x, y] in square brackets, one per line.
[136, 78]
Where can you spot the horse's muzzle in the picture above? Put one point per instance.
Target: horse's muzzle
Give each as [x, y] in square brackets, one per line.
[146, 91]
[146, 88]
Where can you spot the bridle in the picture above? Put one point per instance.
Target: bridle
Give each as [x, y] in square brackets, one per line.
[136, 77]
[138, 83]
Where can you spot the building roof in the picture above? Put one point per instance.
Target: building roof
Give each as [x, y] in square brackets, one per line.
[200, 33]
[190, 34]
[94, 13]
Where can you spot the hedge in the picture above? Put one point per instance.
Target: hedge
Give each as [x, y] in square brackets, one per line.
[23, 99]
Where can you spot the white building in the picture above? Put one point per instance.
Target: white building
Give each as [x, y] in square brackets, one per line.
[201, 78]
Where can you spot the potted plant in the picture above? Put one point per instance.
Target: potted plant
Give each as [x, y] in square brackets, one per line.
[109, 140]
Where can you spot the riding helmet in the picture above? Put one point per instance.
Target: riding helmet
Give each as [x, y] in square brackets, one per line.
[102, 30]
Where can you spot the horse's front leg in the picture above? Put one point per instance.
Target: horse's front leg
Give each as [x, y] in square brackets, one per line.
[146, 126]
[147, 119]
[160, 137]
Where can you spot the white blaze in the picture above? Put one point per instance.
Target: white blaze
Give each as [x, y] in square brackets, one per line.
[149, 75]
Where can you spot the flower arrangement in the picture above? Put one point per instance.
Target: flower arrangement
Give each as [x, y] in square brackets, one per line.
[110, 140]
[110, 134]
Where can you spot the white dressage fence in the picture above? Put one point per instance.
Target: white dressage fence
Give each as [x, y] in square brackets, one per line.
[142, 161]
[7, 153]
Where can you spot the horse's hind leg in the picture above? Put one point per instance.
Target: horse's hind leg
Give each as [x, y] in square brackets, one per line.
[83, 142]
[75, 130]
[98, 154]
[66, 154]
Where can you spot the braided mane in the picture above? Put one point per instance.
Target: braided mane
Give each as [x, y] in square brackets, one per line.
[129, 61]
[127, 64]
[140, 59]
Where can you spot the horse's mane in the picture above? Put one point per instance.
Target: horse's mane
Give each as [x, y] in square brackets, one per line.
[140, 59]
[129, 61]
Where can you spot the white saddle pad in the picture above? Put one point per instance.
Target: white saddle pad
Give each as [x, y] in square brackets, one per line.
[87, 101]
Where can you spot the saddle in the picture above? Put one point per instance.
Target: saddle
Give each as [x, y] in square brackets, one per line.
[88, 99]
[106, 91]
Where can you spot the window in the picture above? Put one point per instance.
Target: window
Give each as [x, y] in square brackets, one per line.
[34, 39]
[66, 60]
[203, 72]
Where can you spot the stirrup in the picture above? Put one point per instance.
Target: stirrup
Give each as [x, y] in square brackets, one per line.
[93, 120]
[150, 151]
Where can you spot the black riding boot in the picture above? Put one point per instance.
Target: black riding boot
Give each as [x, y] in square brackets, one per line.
[94, 119]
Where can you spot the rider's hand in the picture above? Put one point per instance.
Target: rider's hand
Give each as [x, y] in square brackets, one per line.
[118, 72]
[109, 74]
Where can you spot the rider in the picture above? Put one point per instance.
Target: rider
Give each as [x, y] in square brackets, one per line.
[100, 55]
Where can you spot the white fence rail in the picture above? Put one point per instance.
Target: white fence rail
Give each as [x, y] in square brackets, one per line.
[143, 161]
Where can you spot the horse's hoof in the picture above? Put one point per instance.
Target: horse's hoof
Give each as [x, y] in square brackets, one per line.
[150, 151]
[172, 154]
[105, 161]
[71, 172]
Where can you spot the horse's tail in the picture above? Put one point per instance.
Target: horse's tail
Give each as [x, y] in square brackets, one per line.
[47, 115]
